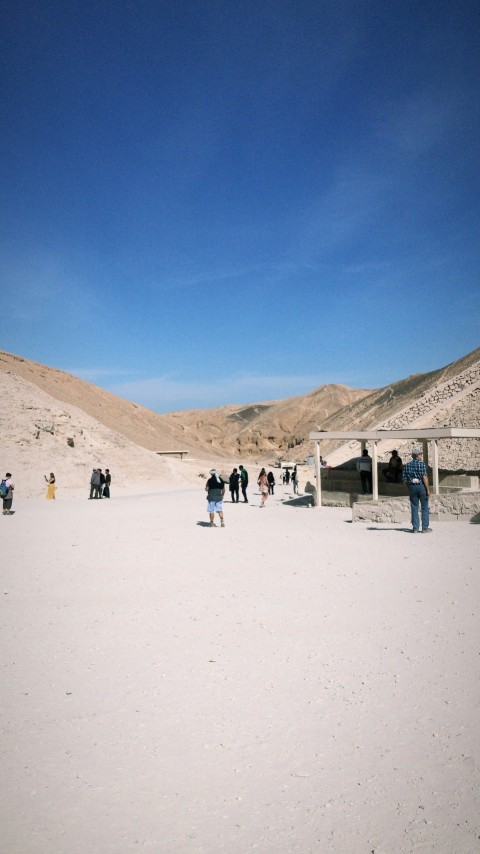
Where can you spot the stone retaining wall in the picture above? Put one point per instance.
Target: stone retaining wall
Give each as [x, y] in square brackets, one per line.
[443, 508]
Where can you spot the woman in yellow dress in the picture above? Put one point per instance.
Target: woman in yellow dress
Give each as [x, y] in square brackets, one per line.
[51, 485]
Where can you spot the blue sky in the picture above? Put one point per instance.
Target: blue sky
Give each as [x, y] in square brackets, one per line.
[216, 202]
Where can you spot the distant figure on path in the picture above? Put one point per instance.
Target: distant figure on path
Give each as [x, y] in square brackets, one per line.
[234, 486]
[295, 481]
[415, 475]
[51, 486]
[99, 492]
[215, 488]
[271, 482]
[263, 484]
[393, 472]
[244, 483]
[287, 476]
[364, 466]
[108, 480]
[7, 494]
[95, 483]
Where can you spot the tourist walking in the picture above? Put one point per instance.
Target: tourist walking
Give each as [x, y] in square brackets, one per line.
[263, 484]
[271, 482]
[215, 488]
[6, 488]
[295, 481]
[51, 486]
[415, 476]
[244, 483]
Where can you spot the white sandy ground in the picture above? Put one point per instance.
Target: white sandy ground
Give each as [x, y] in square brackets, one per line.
[292, 683]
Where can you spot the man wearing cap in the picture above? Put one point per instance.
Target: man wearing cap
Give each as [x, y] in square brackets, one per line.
[415, 475]
[215, 488]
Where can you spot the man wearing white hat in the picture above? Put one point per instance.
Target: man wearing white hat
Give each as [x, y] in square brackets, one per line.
[215, 488]
[415, 475]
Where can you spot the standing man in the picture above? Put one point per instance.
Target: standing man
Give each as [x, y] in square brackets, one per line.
[94, 483]
[108, 480]
[233, 485]
[393, 472]
[244, 483]
[415, 475]
[364, 466]
[215, 489]
[294, 480]
[7, 494]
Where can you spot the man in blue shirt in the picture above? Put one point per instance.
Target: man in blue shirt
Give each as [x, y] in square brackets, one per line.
[415, 475]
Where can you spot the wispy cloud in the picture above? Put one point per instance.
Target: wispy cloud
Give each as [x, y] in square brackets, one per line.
[417, 123]
[40, 286]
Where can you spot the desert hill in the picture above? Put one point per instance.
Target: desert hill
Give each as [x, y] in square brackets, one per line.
[53, 421]
[267, 427]
[448, 396]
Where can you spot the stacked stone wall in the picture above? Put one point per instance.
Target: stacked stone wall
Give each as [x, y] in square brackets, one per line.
[464, 507]
[446, 393]
[454, 403]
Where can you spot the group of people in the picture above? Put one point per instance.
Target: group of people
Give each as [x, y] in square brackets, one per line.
[238, 481]
[392, 472]
[413, 474]
[100, 484]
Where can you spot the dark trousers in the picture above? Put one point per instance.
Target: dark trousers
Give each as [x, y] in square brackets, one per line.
[235, 495]
[244, 492]
[418, 495]
[366, 478]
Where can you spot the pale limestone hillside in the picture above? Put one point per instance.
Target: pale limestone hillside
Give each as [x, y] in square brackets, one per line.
[40, 434]
[266, 428]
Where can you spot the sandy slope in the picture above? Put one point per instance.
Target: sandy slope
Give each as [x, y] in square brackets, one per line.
[290, 683]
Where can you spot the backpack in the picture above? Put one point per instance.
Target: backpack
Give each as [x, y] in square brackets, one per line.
[3, 489]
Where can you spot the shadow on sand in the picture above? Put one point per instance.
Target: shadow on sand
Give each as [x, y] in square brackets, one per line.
[398, 530]
[299, 501]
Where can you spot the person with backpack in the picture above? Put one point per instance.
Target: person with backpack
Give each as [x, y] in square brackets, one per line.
[6, 492]
[215, 488]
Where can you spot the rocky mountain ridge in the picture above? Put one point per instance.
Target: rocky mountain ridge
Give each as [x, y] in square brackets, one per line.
[54, 421]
